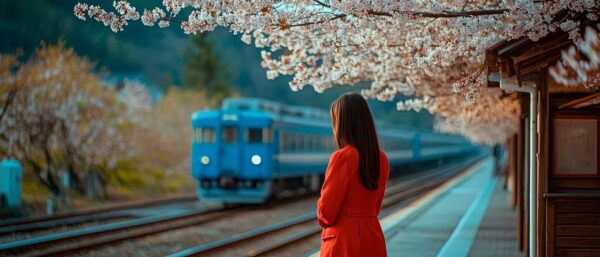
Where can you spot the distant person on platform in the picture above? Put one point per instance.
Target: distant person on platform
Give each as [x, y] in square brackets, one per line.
[354, 184]
[497, 159]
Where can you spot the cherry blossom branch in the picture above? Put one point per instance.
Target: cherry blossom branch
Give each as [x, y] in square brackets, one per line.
[287, 26]
[444, 14]
[322, 3]
[580, 64]
[401, 47]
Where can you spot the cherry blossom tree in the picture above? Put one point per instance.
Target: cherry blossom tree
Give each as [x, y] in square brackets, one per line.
[137, 100]
[432, 50]
[8, 83]
[164, 137]
[56, 116]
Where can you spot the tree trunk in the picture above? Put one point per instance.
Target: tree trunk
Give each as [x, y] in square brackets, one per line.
[49, 161]
[76, 182]
[9, 100]
[49, 184]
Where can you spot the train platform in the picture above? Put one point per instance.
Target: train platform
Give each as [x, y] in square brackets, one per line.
[468, 216]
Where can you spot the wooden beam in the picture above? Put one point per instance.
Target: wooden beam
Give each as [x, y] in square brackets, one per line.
[541, 48]
[514, 45]
[593, 99]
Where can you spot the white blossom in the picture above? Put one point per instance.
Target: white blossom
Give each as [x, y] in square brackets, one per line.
[246, 38]
[574, 70]
[80, 10]
[415, 48]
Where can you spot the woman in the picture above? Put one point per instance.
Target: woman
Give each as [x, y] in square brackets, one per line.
[354, 183]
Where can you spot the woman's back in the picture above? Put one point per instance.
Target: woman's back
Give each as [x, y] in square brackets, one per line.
[348, 211]
[354, 184]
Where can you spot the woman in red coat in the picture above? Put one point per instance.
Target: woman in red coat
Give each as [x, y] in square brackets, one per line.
[354, 184]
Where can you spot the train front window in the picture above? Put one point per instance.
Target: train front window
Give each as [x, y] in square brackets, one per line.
[208, 135]
[204, 135]
[254, 135]
[197, 135]
[267, 135]
[229, 135]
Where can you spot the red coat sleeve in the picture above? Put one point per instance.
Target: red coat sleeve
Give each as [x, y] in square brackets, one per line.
[333, 190]
[381, 191]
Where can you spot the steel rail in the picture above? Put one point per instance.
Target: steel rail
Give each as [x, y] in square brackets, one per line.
[76, 246]
[88, 238]
[391, 199]
[96, 210]
[107, 234]
[399, 192]
[22, 228]
[112, 228]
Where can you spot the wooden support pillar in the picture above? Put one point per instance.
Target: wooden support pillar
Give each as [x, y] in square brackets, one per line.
[513, 163]
[524, 165]
[519, 187]
[526, 188]
[542, 159]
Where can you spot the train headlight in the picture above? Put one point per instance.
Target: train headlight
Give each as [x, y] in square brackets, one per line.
[204, 160]
[256, 160]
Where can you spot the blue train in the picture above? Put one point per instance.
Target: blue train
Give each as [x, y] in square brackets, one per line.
[252, 149]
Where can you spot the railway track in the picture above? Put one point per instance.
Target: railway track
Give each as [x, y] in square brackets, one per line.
[293, 230]
[86, 238]
[89, 238]
[304, 226]
[95, 214]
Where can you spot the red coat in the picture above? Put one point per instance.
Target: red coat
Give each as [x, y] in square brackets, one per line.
[348, 211]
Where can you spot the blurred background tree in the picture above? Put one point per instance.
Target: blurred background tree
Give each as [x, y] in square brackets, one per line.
[205, 68]
[58, 117]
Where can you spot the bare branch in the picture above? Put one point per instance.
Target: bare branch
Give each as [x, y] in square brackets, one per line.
[322, 3]
[170, 19]
[10, 98]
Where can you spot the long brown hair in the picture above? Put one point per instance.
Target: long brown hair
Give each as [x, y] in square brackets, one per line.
[353, 125]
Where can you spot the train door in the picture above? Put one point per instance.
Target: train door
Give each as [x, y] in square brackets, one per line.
[257, 152]
[205, 153]
[229, 156]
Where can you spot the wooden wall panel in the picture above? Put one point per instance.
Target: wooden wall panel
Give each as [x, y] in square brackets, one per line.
[578, 219]
[574, 227]
[576, 151]
[562, 184]
[578, 253]
[573, 230]
[578, 230]
[579, 207]
[577, 242]
[550, 228]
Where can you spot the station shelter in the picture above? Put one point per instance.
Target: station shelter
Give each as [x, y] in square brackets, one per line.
[554, 164]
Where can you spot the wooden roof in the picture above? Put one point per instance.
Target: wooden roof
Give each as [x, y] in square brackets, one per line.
[523, 56]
